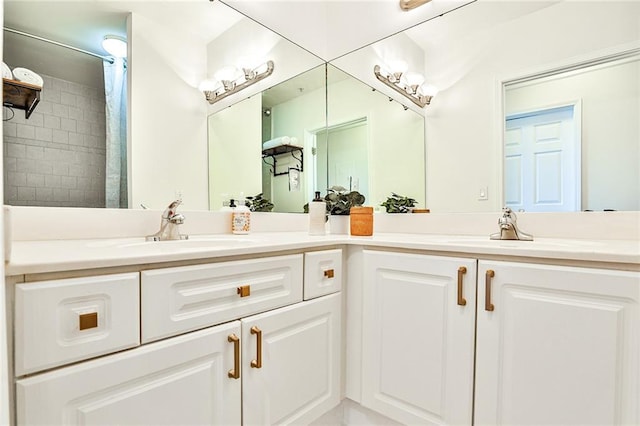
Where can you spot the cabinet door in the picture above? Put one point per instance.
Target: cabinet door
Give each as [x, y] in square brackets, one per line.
[559, 347]
[291, 366]
[417, 362]
[184, 380]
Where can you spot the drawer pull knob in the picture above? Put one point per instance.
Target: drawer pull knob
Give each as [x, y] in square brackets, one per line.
[488, 306]
[244, 291]
[87, 321]
[234, 373]
[328, 273]
[461, 300]
[257, 363]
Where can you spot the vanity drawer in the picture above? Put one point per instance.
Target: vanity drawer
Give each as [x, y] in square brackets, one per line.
[62, 321]
[181, 299]
[322, 273]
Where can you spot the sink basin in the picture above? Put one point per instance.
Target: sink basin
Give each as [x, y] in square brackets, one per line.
[193, 243]
[536, 243]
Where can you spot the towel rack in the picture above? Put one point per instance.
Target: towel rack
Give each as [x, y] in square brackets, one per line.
[283, 149]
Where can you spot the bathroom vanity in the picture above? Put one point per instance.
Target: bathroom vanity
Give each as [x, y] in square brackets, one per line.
[278, 328]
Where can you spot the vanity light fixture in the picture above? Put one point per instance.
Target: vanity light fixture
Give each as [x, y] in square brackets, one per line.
[409, 84]
[407, 5]
[230, 80]
[115, 46]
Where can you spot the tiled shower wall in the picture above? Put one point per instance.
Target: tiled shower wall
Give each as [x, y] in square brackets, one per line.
[57, 156]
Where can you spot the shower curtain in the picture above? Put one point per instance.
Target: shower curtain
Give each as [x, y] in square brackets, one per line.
[115, 87]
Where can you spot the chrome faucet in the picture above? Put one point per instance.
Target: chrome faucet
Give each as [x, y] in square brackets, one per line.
[509, 228]
[169, 224]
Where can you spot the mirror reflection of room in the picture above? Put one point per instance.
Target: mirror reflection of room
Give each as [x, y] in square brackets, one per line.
[69, 148]
[571, 138]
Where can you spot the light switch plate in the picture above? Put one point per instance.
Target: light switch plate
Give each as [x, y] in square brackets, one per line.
[483, 193]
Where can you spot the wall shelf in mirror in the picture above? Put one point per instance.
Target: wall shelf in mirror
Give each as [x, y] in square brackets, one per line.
[20, 95]
[283, 149]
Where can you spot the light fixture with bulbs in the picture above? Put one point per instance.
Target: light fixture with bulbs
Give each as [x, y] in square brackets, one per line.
[115, 46]
[409, 84]
[230, 80]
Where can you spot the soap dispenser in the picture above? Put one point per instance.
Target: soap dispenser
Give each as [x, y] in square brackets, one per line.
[317, 215]
[240, 218]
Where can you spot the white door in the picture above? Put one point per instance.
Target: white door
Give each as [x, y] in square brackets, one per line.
[559, 347]
[418, 336]
[291, 363]
[542, 161]
[180, 381]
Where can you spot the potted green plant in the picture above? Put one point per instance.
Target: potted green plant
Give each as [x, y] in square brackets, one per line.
[398, 204]
[339, 202]
[258, 204]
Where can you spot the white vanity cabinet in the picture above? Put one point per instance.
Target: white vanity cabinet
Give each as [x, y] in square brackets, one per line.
[557, 345]
[260, 355]
[553, 344]
[418, 337]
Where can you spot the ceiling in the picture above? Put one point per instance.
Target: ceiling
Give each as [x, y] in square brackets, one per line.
[327, 28]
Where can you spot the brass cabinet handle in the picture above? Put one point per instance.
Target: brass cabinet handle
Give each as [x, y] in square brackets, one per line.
[328, 273]
[89, 320]
[234, 373]
[488, 306]
[244, 291]
[257, 363]
[461, 271]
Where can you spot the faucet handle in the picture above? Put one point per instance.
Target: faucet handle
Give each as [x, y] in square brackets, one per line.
[170, 211]
[508, 213]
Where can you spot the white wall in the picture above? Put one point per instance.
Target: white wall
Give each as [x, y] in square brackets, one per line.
[4, 352]
[167, 116]
[463, 122]
[610, 99]
[235, 152]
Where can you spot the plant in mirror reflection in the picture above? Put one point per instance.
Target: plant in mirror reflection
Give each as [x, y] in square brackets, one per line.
[258, 204]
[398, 204]
[339, 201]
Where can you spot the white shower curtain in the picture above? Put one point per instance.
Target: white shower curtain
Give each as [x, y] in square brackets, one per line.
[115, 88]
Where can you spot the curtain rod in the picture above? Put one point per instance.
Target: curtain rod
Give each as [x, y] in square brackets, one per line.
[77, 49]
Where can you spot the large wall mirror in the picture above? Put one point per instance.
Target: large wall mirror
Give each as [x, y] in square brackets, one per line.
[320, 129]
[572, 138]
[450, 156]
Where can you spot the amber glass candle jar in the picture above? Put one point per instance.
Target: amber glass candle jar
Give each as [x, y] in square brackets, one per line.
[361, 221]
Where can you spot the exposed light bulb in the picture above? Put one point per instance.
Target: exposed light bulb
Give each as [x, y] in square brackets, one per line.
[414, 79]
[428, 90]
[209, 86]
[398, 66]
[115, 46]
[228, 73]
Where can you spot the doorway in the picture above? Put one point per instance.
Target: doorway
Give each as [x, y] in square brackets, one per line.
[342, 157]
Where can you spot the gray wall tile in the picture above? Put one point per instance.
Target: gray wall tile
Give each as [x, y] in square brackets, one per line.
[56, 157]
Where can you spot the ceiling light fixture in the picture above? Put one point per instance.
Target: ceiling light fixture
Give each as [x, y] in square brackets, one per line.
[409, 84]
[115, 46]
[407, 5]
[230, 80]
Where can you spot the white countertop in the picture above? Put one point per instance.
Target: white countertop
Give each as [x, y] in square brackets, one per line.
[31, 257]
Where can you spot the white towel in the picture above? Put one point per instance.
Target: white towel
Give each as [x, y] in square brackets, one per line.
[282, 140]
